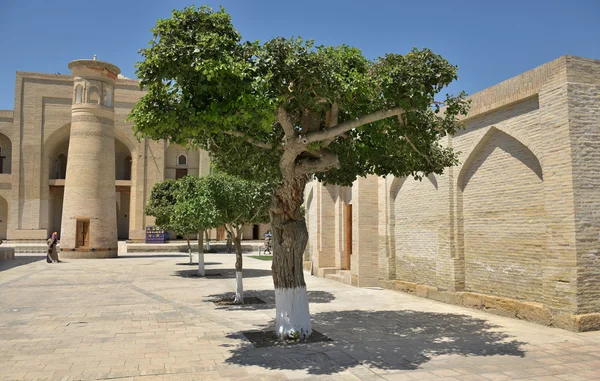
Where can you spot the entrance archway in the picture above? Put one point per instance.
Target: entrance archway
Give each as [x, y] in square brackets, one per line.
[123, 165]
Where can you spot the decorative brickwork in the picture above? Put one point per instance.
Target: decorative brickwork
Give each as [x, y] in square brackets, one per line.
[88, 118]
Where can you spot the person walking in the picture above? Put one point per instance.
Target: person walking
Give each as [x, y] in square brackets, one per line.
[52, 255]
[268, 237]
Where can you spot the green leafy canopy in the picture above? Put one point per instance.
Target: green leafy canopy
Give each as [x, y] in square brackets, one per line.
[240, 202]
[287, 107]
[184, 206]
[190, 204]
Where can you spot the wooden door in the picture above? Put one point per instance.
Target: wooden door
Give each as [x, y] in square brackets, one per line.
[83, 233]
[180, 172]
[348, 229]
[221, 233]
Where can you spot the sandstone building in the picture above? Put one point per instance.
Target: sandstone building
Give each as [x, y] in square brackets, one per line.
[514, 229]
[38, 168]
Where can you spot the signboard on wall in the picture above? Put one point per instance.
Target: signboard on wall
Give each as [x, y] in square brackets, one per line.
[155, 235]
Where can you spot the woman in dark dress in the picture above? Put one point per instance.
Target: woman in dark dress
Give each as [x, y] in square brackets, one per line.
[52, 255]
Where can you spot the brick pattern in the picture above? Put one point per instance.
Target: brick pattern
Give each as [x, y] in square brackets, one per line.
[503, 217]
[584, 123]
[416, 229]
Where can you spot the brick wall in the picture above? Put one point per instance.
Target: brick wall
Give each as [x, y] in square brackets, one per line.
[416, 213]
[519, 217]
[583, 93]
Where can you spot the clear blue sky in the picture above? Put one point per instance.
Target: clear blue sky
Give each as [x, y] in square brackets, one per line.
[490, 41]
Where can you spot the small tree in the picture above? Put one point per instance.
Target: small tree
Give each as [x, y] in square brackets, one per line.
[162, 205]
[287, 111]
[238, 203]
[195, 208]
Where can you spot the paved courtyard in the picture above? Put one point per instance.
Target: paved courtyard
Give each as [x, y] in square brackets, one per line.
[143, 317]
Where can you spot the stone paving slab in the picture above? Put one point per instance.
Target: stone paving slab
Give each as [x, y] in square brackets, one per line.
[143, 318]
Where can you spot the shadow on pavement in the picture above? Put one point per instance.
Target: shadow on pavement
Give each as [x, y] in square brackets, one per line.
[20, 260]
[222, 273]
[388, 340]
[152, 256]
[267, 296]
[196, 263]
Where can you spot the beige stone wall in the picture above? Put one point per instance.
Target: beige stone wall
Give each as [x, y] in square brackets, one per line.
[503, 219]
[584, 122]
[517, 218]
[416, 215]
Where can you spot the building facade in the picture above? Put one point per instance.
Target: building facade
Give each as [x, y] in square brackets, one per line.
[38, 167]
[514, 229]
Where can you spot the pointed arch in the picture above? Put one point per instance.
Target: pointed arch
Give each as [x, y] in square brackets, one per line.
[463, 177]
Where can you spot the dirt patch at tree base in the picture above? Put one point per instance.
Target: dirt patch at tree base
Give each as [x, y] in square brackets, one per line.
[265, 339]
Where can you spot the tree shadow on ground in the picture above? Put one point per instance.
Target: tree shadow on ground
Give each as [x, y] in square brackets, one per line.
[388, 340]
[196, 263]
[222, 273]
[151, 256]
[20, 260]
[267, 296]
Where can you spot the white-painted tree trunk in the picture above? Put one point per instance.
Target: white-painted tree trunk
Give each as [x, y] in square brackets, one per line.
[292, 318]
[239, 288]
[207, 241]
[201, 271]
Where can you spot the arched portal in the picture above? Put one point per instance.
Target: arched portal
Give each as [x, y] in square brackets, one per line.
[56, 151]
[123, 165]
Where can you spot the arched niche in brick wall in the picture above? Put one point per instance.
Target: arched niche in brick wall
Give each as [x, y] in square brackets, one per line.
[414, 226]
[501, 218]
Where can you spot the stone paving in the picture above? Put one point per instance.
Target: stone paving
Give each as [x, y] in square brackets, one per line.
[142, 317]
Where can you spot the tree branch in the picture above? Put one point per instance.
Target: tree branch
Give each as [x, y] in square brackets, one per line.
[286, 123]
[351, 124]
[250, 140]
[308, 166]
[333, 116]
[416, 149]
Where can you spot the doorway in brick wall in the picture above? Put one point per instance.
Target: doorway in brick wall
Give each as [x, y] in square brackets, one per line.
[348, 234]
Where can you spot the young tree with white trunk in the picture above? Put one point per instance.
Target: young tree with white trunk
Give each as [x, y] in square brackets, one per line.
[289, 111]
[239, 202]
[161, 206]
[195, 207]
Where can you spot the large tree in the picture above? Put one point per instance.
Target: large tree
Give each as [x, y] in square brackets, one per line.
[287, 110]
[239, 202]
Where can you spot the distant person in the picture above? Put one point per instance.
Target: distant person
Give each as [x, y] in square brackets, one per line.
[52, 255]
[268, 237]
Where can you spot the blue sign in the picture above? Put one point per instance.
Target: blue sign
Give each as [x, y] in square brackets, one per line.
[155, 235]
